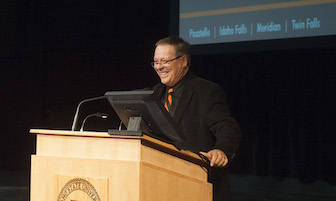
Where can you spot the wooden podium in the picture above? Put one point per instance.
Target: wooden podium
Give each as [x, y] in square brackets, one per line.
[96, 166]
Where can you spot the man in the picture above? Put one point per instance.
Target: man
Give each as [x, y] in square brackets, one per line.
[199, 108]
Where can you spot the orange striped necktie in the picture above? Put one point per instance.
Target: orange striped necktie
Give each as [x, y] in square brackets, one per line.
[169, 102]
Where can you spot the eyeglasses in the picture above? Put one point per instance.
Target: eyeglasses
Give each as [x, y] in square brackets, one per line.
[164, 62]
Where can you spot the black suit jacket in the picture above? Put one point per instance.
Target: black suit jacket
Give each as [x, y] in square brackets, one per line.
[205, 120]
[204, 117]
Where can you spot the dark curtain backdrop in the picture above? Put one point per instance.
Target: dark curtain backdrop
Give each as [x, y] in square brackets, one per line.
[53, 54]
[285, 104]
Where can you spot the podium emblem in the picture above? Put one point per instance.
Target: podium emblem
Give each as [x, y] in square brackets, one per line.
[78, 184]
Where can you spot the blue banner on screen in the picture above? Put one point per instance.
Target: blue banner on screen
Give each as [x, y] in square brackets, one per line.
[218, 21]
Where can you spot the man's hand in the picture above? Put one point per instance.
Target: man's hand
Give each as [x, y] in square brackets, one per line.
[216, 157]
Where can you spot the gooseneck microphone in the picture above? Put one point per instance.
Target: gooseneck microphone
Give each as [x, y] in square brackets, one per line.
[74, 123]
[98, 114]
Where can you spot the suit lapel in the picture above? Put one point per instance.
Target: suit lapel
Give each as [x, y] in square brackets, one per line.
[160, 89]
[183, 103]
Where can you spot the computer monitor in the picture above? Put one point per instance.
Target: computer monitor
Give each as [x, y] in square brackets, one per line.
[145, 104]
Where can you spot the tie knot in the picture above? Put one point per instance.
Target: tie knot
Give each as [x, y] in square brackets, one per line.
[170, 90]
[169, 102]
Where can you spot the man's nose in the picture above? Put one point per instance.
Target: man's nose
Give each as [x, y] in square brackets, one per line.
[159, 66]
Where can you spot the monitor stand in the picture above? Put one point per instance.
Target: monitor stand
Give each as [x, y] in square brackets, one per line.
[136, 127]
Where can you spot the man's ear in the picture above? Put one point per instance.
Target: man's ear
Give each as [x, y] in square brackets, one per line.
[185, 60]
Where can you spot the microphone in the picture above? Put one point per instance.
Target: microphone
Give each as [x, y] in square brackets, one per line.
[98, 114]
[74, 123]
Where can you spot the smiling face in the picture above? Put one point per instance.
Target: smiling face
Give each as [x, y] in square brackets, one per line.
[174, 70]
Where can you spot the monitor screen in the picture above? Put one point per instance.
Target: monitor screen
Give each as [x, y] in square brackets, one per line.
[145, 104]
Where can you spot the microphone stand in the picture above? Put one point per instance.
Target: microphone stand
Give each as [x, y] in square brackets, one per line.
[77, 110]
[98, 114]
